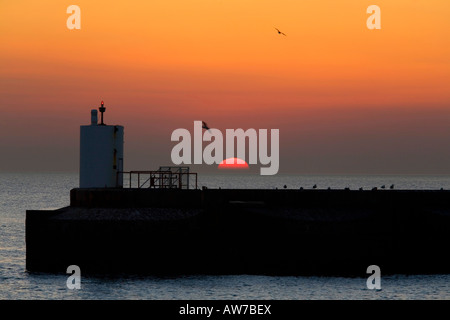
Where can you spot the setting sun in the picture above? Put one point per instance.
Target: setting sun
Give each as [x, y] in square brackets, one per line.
[233, 163]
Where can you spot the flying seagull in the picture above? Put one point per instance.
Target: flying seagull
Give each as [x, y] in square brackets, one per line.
[279, 32]
[205, 126]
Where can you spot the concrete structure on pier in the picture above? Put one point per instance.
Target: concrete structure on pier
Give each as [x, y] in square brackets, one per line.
[101, 154]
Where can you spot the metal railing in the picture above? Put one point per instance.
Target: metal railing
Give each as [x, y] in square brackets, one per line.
[162, 179]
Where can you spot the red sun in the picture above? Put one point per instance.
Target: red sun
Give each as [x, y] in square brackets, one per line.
[233, 163]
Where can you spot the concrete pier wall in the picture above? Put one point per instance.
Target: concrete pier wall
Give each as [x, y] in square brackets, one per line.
[135, 198]
[283, 232]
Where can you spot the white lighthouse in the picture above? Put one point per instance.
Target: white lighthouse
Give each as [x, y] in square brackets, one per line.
[101, 154]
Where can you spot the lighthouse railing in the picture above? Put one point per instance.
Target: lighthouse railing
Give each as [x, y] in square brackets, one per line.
[159, 179]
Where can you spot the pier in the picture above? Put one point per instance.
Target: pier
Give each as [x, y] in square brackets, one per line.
[242, 231]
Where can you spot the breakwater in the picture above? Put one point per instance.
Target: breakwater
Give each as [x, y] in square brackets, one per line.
[242, 231]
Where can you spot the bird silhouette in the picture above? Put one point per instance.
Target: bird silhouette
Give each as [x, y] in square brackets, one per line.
[279, 32]
[205, 126]
[383, 186]
[315, 186]
[392, 186]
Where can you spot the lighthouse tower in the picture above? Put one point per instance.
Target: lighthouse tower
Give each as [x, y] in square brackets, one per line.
[101, 153]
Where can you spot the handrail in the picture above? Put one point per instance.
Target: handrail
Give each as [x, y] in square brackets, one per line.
[160, 179]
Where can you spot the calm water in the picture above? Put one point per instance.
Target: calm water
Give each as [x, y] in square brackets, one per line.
[19, 192]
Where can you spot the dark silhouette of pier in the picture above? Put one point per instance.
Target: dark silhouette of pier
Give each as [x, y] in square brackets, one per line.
[243, 231]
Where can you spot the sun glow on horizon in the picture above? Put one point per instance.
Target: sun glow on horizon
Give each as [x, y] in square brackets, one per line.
[233, 164]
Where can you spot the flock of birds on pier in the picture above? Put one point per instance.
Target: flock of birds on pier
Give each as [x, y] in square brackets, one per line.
[347, 188]
[329, 188]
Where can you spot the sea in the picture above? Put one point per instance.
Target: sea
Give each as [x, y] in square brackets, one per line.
[22, 191]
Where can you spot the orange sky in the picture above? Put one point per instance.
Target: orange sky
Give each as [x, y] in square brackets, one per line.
[160, 65]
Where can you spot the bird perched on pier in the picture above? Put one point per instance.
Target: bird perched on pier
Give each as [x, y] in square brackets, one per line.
[383, 186]
[392, 186]
[205, 126]
[279, 32]
[315, 186]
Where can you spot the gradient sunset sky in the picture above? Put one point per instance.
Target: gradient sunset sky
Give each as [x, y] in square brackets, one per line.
[346, 99]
